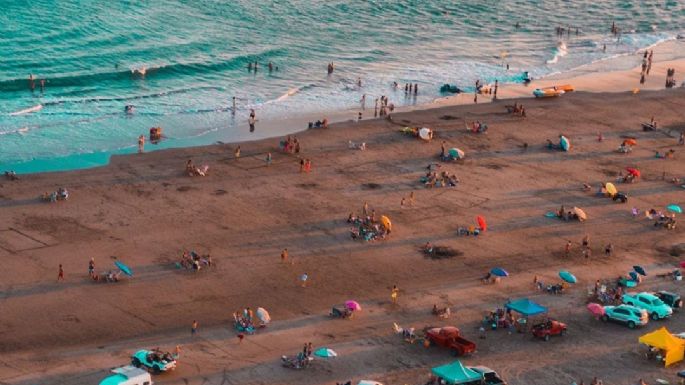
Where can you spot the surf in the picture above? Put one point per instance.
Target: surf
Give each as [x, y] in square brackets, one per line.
[29, 110]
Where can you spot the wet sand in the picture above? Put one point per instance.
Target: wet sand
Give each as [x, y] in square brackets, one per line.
[144, 210]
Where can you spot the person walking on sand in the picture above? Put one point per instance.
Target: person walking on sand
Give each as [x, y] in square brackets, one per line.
[365, 209]
[567, 249]
[91, 268]
[303, 279]
[237, 153]
[412, 198]
[609, 250]
[268, 159]
[60, 273]
[193, 328]
[393, 294]
[240, 338]
[301, 165]
[141, 144]
[681, 138]
[363, 101]
[586, 241]
[284, 256]
[307, 166]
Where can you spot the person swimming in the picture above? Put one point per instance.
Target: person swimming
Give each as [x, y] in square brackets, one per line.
[129, 109]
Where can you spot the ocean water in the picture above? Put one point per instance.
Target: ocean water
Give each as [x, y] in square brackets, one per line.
[179, 62]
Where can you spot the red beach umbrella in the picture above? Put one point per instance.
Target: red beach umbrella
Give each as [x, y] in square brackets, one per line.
[481, 223]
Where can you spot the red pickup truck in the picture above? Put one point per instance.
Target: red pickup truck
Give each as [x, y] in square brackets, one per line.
[450, 337]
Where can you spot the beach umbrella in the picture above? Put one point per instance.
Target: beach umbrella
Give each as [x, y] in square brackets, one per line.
[567, 276]
[325, 353]
[633, 275]
[500, 272]
[611, 189]
[564, 143]
[633, 171]
[596, 309]
[425, 133]
[124, 269]
[386, 222]
[456, 153]
[353, 305]
[640, 270]
[674, 209]
[263, 315]
[630, 142]
[481, 223]
[580, 213]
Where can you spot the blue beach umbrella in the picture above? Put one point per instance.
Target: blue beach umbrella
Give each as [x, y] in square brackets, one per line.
[325, 353]
[500, 272]
[564, 143]
[640, 270]
[633, 275]
[674, 209]
[568, 277]
[124, 269]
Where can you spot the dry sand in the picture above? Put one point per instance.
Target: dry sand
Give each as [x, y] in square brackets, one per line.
[146, 211]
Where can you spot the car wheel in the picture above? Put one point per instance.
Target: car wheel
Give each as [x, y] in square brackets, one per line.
[136, 362]
[655, 316]
[563, 332]
[546, 337]
[605, 318]
[457, 352]
[631, 324]
[157, 369]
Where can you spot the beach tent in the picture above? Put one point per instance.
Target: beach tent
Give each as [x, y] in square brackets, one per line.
[662, 339]
[425, 133]
[456, 153]
[611, 189]
[564, 143]
[482, 224]
[386, 222]
[580, 213]
[456, 373]
[526, 307]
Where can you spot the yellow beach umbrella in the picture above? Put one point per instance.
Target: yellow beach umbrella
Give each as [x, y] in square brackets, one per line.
[386, 222]
[611, 189]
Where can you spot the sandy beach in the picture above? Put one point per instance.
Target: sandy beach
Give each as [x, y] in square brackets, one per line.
[145, 211]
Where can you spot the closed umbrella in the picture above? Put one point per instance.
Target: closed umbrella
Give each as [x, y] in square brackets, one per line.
[263, 315]
[325, 353]
[640, 270]
[481, 223]
[674, 209]
[500, 272]
[596, 309]
[352, 305]
[124, 269]
[567, 276]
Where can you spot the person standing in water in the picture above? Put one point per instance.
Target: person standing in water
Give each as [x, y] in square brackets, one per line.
[233, 109]
[42, 85]
[141, 144]
[363, 101]
[416, 88]
[32, 84]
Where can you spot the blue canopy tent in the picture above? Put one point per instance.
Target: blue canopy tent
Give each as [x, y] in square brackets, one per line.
[456, 373]
[526, 307]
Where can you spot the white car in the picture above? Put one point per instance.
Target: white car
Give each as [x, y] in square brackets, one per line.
[128, 375]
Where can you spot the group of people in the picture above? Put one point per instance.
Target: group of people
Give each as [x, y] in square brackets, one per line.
[517, 109]
[193, 170]
[647, 66]
[11, 175]
[567, 215]
[290, 145]
[670, 78]
[499, 319]
[244, 320]
[477, 127]
[607, 294]
[442, 179]
[557, 288]
[191, 260]
[61, 194]
[318, 124]
[385, 107]
[109, 276]
[367, 227]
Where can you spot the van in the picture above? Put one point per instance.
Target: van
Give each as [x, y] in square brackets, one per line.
[128, 375]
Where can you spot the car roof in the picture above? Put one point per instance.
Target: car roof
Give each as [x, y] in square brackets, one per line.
[628, 307]
[482, 369]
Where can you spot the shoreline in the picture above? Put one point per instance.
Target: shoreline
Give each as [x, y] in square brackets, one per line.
[591, 77]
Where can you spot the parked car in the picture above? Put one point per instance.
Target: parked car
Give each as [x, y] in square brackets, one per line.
[656, 308]
[450, 337]
[127, 375]
[671, 299]
[549, 328]
[490, 377]
[626, 314]
[154, 360]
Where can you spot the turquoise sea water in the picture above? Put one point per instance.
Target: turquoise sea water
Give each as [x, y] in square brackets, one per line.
[195, 52]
